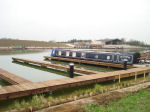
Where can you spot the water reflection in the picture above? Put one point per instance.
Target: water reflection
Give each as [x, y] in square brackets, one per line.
[20, 51]
[43, 68]
[85, 66]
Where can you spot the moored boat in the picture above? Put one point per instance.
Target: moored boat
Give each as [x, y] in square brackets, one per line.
[113, 57]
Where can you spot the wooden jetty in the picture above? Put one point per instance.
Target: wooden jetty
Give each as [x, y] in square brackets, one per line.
[114, 65]
[55, 66]
[45, 86]
[12, 78]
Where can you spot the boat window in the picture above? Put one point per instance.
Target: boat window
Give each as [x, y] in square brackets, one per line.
[82, 54]
[59, 53]
[67, 53]
[108, 57]
[96, 56]
[74, 54]
[53, 52]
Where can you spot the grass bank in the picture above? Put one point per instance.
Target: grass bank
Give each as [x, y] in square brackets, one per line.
[133, 102]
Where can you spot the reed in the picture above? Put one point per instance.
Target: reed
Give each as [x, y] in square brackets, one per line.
[17, 105]
[97, 88]
[34, 100]
[25, 104]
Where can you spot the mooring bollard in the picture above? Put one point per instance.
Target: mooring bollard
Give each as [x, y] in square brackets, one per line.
[125, 64]
[71, 65]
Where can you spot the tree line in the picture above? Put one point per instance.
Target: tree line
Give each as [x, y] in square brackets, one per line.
[124, 41]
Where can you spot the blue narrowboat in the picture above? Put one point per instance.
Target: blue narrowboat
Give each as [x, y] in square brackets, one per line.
[113, 57]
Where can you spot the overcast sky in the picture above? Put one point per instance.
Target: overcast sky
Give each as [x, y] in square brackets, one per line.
[61, 20]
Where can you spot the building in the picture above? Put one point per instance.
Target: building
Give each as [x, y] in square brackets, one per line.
[112, 41]
[89, 45]
[98, 44]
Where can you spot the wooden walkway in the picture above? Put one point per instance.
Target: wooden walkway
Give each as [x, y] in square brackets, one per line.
[11, 78]
[45, 86]
[55, 66]
[114, 65]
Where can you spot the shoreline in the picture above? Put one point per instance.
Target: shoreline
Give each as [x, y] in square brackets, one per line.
[29, 48]
[10, 48]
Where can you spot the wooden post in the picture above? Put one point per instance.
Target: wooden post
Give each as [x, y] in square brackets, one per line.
[144, 75]
[71, 70]
[119, 78]
[135, 76]
[125, 64]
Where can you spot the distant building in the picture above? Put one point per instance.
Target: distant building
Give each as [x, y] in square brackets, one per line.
[98, 43]
[89, 45]
[112, 41]
[82, 45]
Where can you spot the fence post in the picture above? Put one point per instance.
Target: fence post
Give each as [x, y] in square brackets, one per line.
[135, 76]
[119, 78]
[144, 75]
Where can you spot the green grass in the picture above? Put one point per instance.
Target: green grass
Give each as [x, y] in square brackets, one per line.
[4, 83]
[135, 102]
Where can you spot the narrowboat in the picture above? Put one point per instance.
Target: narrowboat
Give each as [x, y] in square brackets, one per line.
[113, 57]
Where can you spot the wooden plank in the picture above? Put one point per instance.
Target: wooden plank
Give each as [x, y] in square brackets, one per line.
[115, 65]
[12, 78]
[45, 86]
[60, 67]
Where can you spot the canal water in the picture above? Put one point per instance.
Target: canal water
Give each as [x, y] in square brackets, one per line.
[26, 72]
[34, 73]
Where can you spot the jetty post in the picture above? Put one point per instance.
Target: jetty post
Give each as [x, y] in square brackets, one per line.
[71, 70]
[125, 64]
